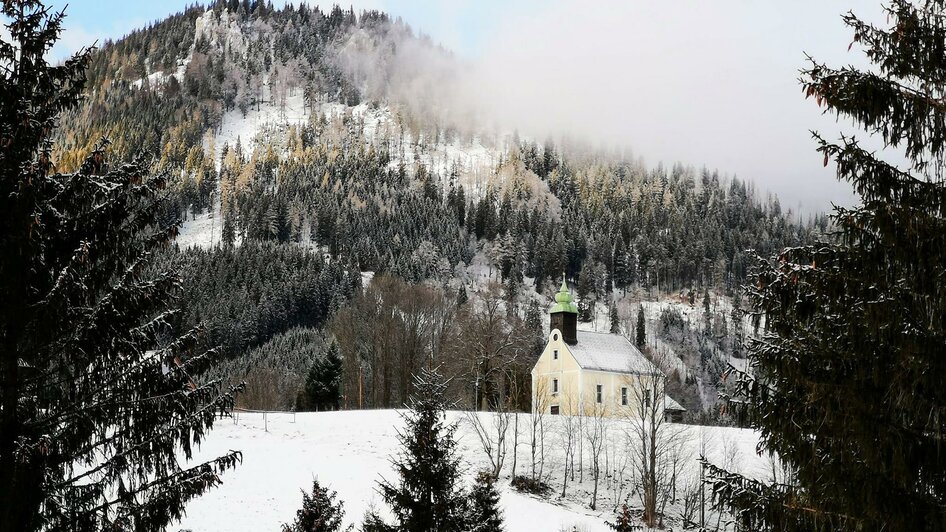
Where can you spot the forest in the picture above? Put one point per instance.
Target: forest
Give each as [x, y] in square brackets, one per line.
[303, 210]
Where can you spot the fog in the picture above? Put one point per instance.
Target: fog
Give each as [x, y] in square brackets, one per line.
[703, 83]
[712, 84]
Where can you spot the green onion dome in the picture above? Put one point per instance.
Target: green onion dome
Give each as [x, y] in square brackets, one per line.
[563, 301]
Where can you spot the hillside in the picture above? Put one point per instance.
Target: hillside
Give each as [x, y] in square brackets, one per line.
[329, 144]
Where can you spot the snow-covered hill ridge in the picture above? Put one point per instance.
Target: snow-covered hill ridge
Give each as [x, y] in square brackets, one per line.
[349, 451]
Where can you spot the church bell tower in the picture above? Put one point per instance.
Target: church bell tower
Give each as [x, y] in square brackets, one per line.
[564, 315]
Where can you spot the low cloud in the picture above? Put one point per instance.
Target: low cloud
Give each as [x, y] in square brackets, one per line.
[703, 83]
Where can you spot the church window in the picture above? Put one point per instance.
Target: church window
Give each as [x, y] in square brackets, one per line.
[598, 393]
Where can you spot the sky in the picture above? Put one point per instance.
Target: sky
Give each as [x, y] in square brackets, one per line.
[711, 84]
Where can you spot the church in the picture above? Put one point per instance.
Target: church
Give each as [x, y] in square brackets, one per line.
[589, 373]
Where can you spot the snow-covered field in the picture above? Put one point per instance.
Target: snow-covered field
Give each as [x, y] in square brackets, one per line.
[350, 452]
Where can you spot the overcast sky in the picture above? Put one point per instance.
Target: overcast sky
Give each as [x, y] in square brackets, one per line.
[704, 83]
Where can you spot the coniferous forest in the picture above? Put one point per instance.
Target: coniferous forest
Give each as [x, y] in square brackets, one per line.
[365, 195]
[254, 208]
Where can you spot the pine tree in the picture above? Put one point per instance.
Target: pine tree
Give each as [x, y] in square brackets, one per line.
[640, 330]
[484, 513]
[623, 520]
[615, 322]
[320, 512]
[428, 496]
[98, 402]
[847, 388]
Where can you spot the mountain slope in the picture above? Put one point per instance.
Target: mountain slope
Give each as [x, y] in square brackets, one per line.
[336, 133]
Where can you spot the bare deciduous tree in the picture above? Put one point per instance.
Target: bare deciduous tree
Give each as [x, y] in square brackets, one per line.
[491, 429]
[596, 427]
[647, 430]
[569, 435]
[540, 403]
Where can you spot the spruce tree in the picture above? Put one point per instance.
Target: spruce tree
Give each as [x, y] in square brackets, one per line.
[99, 403]
[322, 382]
[623, 520]
[641, 331]
[484, 513]
[586, 291]
[320, 512]
[428, 496]
[847, 381]
[615, 322]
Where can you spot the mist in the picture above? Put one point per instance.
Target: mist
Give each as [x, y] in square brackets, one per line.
[702, 83]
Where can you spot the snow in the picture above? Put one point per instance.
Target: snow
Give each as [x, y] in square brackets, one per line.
[203, 231]
[267, 116]
[609, 352]
[473, 159]
[350, 451]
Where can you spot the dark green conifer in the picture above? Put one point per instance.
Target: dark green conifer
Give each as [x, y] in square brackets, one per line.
[322, 382]
[641, 331]
[484, 513]
[100, 404]
[847, 381]
[623, 520]
[428, 495]
[320, 512]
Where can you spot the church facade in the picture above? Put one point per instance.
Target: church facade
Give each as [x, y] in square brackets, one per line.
[590, 373]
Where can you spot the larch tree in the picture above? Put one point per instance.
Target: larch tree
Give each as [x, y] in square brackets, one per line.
[99, 402]
[845, 381]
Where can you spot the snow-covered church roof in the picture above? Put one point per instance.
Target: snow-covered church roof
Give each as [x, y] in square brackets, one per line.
[610, 352]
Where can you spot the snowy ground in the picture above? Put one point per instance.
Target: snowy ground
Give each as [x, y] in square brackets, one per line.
[203, 231]
[350, 452]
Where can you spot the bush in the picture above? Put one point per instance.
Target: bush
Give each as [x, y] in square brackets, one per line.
[528, 485]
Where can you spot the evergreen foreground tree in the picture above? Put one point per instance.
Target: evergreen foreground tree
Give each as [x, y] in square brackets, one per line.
[846, 381]
[623, 520]
[428, 497]
[97, 401]
[320, 512]
[484, 513]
